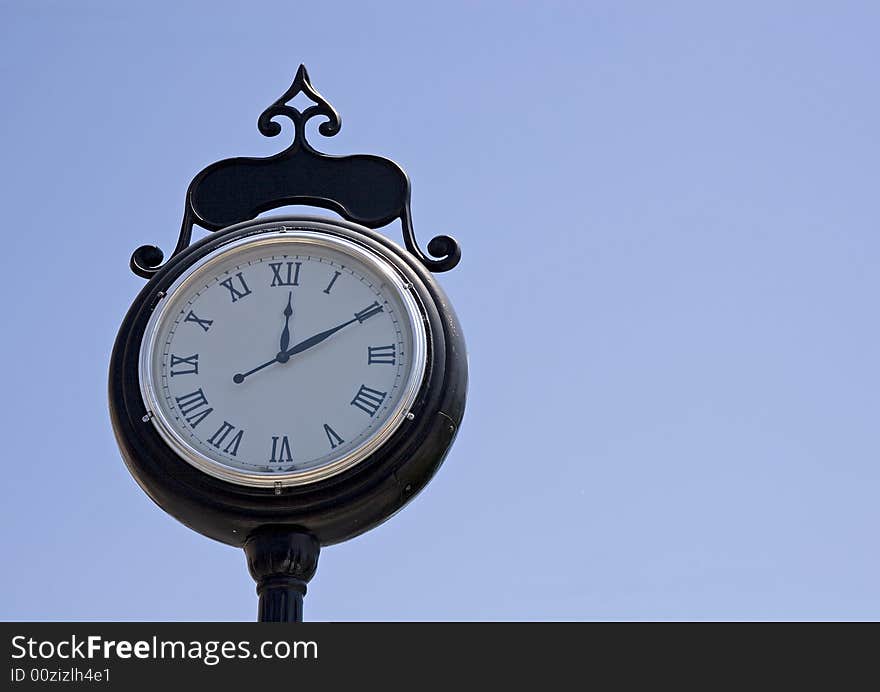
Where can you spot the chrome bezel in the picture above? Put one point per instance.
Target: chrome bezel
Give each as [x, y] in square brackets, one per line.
[308, 233]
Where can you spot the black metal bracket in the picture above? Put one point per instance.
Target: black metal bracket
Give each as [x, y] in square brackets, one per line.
[362, 188]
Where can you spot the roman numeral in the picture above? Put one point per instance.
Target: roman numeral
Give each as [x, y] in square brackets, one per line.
[281, 453]
[220, 436]
[368, 312]
[368, 400]
[194, 407]
[336, 275]
[276, 274]
[235, 293]
[191, 361]
[381, 355]
[204, 324]
[335, 440]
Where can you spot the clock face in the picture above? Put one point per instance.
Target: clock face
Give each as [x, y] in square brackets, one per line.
[285, 357]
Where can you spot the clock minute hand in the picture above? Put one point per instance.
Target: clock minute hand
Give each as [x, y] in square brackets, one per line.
[316, 339]
[284, 356]
[361, 317]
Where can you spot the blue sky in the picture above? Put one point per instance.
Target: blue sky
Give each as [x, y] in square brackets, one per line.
[668, 215]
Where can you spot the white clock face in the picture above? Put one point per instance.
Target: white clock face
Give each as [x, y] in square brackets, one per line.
[285, 357]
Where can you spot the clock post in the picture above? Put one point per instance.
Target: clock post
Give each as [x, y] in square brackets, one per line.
[282, 562]
[287, 383]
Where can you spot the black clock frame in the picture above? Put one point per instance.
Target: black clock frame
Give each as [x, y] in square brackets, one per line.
[331, 510]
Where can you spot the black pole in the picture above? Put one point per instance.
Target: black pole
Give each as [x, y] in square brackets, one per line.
[282, 561]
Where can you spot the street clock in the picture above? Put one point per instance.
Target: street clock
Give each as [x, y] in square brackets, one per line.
[290, 382]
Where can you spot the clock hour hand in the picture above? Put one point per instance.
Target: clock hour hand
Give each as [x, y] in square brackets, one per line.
[285, 333]
[284, 356]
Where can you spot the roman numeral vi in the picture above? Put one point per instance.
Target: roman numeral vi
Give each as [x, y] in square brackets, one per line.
[281, 452]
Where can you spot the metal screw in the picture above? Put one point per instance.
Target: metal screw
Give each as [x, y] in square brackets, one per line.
[147, 416]
[277, 487]
[410, 416]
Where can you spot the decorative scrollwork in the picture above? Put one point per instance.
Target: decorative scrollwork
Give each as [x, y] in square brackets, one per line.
[301, 85]
[146, 260]
[363, 188]
[445, 249]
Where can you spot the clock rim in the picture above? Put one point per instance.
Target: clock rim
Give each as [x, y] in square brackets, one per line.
[160, 312]
[335, 510]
